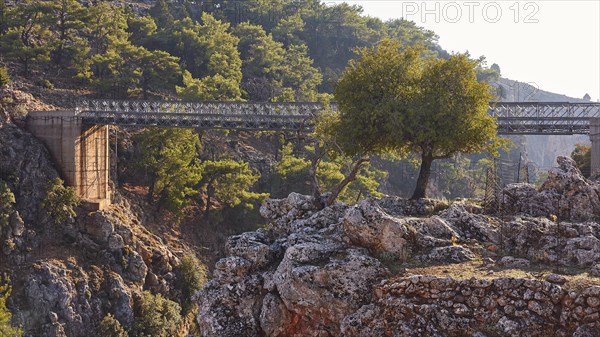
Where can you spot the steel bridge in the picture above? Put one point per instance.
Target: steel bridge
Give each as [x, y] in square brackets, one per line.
[527, 118]
[79, 140]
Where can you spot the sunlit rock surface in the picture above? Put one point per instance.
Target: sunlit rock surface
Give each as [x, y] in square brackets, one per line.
[323, 272]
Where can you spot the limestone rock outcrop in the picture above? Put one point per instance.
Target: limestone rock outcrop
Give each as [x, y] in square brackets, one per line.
[325, 272]
[66, 277]
[565, 194]
[297, 284]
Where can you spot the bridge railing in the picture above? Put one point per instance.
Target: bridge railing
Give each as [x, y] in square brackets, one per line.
[539, 110]
[511, 117]
[202, 108]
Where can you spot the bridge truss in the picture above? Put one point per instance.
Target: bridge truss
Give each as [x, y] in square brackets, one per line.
[542, 118]
[202, 115]
[533, 118]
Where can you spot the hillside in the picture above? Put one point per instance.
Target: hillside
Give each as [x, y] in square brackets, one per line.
[192, 246]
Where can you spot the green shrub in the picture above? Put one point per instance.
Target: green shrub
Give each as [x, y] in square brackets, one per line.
[60, 201]
[4, 76]
[110, 327]
[192, 274]
[7, 199]
[158, 317]
[5, 328]
[46, 84]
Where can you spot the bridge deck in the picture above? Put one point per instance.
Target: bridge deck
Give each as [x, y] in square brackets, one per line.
[512, 117]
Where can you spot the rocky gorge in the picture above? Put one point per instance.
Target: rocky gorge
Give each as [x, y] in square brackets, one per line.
[394, 267]
[388, 266]
[67, 277]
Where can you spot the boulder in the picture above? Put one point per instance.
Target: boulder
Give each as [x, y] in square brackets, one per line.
[29, 167]
[367, 225]
[450, 254]
[59, 291]
[315, 273]
[595, 270]
[254, 247]
[321, 283]
[470, 226]
[565, 194]
[120, 299]
[513, 262]
[274, 316]
[99, 227]
[17, 224]
[136, 269]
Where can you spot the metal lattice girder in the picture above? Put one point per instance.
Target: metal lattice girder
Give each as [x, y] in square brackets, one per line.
[204, 108]
[543, 117]
[511, 117]
[205, 115]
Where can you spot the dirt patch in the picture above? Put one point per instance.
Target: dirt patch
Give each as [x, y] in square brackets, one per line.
[575, 278]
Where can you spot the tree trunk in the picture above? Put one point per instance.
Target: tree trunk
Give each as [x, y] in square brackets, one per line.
[25, 62]
[314, 181]
[209, 192]
[347, 180]
[420, 189]
[161, 200]
[144, 86]
[150, 195]
[208, 197]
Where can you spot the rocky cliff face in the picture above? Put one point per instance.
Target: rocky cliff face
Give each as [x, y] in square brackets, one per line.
[67, 277]
[330, 272]
[99, 264]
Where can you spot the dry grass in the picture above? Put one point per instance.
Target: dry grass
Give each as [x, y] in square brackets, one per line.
[576, 278]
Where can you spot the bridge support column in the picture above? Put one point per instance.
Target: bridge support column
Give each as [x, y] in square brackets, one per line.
[595, 138]
[80, 151]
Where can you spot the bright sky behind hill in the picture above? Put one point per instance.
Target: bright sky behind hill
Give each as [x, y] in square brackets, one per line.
[554, 44]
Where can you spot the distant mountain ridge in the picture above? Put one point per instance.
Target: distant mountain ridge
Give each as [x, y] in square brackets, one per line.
[515, 91]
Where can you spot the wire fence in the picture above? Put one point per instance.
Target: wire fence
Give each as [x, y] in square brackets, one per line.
[501, 173]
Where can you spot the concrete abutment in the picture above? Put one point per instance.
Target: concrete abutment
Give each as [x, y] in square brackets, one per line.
[79, 150]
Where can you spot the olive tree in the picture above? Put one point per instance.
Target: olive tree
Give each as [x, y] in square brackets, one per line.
[392, 99]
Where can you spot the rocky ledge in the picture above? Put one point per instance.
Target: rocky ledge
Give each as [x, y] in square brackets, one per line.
[329, 272]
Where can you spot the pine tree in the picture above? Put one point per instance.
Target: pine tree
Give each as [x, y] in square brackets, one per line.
[212, 59]
[169, 160]
[68, 42]
[111, 327]
[229, 181]
[158, 317]
[60, 201]
[299, 75]
[162, 14]
[28, 35]
[6, 329]
[262, 62]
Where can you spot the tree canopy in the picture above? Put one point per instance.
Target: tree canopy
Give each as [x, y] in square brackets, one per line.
[393, 99]
[229, 181]
[265, 50]
[582, 155]
[60, 201]
[169, 158]
[6, 329]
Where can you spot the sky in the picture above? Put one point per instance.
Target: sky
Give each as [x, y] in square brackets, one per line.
[551, 44]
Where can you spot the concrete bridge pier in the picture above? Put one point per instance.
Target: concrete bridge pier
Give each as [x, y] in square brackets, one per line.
[79, 150]
[595, 138]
